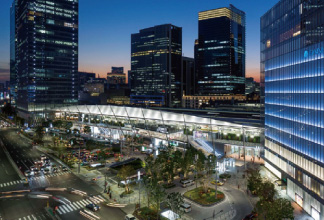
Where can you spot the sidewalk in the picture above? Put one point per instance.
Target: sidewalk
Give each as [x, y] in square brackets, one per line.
[299, 213]
[98, 185]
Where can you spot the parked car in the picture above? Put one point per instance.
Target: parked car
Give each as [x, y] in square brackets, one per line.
[93, 207]
[130, 217]
[185, 207]
[188, 183]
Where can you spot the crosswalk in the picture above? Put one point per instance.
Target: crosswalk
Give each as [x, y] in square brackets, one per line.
[11, 183]
[16, 182]
[49, 175]
[74, 206]
[36, 216]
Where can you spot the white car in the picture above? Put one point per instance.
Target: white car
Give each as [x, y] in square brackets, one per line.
[130, 217]
[185, 207]
[187, 183]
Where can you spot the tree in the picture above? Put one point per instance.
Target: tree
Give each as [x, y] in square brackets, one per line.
[87, 129]
[168, 164]
[205, 183]
[186, 162]
[158, 195]
[39, 133]
[277, 209]
[57, 124]
[267, 191]
[177, 158]
[174, 201]
[19, 121]
[149, 165]
[200, 163]
[147, 181]
[210, 164]
[67, 125]
[254, 180]
[123, 175]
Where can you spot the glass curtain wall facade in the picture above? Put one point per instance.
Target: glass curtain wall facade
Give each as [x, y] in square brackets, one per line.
[188, 75]
[220, 52]
[156, 55]
[13, 77]
[292, 61]
[46, 53]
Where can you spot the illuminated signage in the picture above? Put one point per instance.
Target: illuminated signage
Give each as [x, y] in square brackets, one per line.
[317, 51]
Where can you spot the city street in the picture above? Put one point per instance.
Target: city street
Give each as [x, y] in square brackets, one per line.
[236, 201]
[24, 154]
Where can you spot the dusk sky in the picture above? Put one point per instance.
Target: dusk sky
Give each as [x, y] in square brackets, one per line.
[105, 27]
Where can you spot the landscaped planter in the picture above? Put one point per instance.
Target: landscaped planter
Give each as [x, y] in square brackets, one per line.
[204, 199]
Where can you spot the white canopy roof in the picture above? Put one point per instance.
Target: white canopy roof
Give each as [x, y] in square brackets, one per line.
[143, 113]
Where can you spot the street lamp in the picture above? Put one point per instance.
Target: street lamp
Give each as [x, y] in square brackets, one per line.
[139, 187]
[196, 159]
[243, 130]
[105, 179]
[79, 164]
[216, 177]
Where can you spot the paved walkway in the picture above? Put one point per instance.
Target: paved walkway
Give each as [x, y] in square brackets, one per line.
[238, 179]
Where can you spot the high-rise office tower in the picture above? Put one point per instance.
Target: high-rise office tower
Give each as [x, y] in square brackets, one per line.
[292, 61]
[220, 52]
[156, 66]
[188, 75]
[13, 77]
[45, 53]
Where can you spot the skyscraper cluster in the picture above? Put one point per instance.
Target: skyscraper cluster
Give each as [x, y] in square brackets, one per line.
[44, 74]
[160, 76]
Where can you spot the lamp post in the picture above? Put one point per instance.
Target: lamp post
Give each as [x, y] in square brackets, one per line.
[79, 158]
[196, 159]
[243, 129]
[139, 187]
[216, 177]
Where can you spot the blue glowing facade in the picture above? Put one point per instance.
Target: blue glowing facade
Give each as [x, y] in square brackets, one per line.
[292, 62]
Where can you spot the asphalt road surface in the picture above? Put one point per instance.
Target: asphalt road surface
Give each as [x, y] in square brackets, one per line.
[26, 208]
